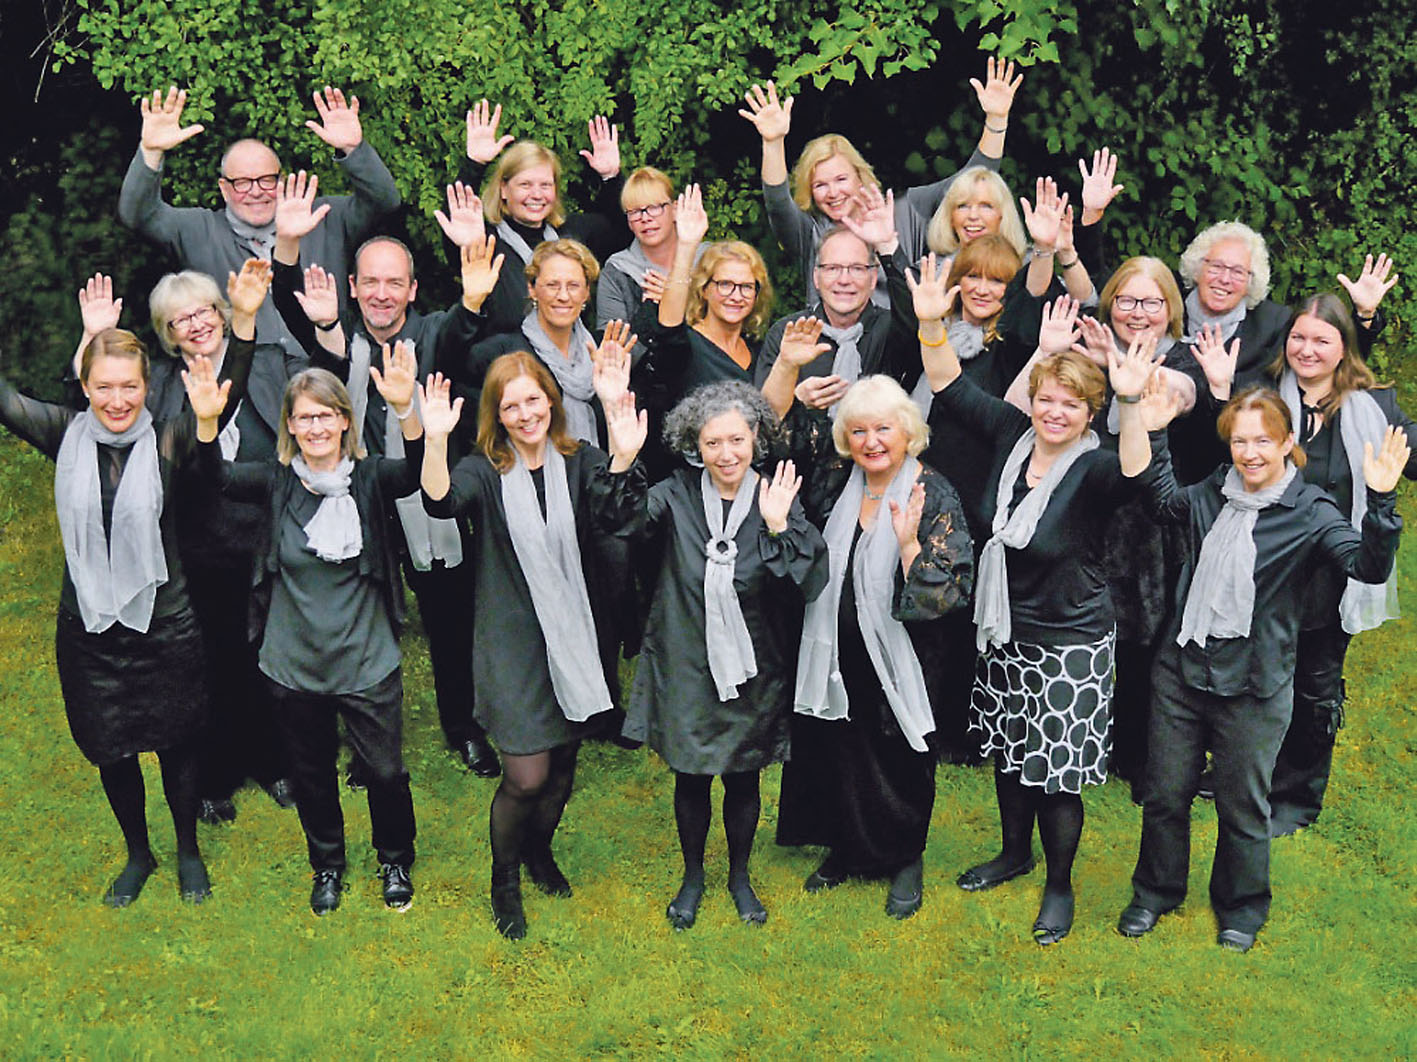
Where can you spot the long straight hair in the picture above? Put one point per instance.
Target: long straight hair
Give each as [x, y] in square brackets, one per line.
[492, 437]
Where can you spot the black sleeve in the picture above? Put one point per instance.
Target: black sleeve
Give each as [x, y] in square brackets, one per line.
[286, 280]
[41, 424]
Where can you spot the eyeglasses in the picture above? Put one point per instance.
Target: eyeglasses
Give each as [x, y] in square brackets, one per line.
[855, 270]
[206, 315]
[1229, 272]
[654, 210]
[241, 185]
[557, 287]
[1127, 304]
[306, 421]
[727, 288]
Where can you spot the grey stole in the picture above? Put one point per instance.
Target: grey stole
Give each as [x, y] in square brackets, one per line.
[730, 648]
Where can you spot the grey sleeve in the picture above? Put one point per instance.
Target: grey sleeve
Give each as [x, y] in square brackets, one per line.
[925, 199]
[617, 297]
[375, 193]
[140, 205]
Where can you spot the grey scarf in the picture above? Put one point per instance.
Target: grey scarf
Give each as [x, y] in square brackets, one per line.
[1197, 317]
[730, 649]
[258, 240]
[821, 690]
[635, 263]
[967, 341]
[992, 612]
[333, 533]
[510, 237]
[550, 559]
[574, 375]
[114, 580]
[1364, 605]
[846, 363]
[1221, 600]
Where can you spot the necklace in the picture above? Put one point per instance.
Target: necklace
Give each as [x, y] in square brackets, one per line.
[873, 495]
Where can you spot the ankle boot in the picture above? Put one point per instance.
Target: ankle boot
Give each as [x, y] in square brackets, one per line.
[507, 910]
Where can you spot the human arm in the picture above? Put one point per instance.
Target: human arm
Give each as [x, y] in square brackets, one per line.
[1044, 218]
[375, 192]
[140, 204]
[940, 576]
[773, 119]
[1131, 374]
[932, 302]
[441, 413]
[162, 125]
[690, 226]
[996, 100]
[1071, 266]
[800, 346]
[98, 310]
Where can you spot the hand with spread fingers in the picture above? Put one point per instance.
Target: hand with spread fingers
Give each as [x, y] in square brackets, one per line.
[1128, 372]
[1059, 330]
[463, 223]
[771, 117]
[1370, 287]
[1160, 404]
[296, 213]
[481, 266]
[604, 153]
[483, 143]
[98, 308]
[207, 396]
[873, 219]
[246, 291]
[162, 121]
[339, 124]
[399, 378]
[1098, 187]
[932, 299]
[996, 93]
[775, 496]
[1216, 361]
[1382, 471]
[801, 342]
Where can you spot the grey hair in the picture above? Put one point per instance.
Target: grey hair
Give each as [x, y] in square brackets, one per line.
[1193, 257]
[879, 396]
[176, 290]
[701, 405]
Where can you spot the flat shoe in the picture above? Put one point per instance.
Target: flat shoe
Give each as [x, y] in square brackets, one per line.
[1137, 921]
[977, 879]
[1055, 919]
[826, 876]
[1235, 940]
[907, 892]
[129, 883]
[546, 875]
[683, 910]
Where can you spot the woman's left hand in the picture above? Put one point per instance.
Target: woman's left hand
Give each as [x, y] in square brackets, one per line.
[775, 496]
[627, 431]
[604, 153]
[996, 94]
[873, 219]
[247, 290]
[1383, 471]
[399, 378]
[1159, 404]
[610, 362]
[1372, 284]
[906, 522]
[1059, 330]
[463, 224]
[1097, 341]
[208, 397]
[97, 306]
[1129, 372]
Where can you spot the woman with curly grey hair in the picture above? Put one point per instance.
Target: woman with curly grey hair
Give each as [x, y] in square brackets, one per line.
[712, 689]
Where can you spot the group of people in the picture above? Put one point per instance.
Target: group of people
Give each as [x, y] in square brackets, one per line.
[985, 496]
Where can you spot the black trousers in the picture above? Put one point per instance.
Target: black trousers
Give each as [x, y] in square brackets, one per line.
[444, 598]
[373, 719]
[1306, 757]
[1244, 734]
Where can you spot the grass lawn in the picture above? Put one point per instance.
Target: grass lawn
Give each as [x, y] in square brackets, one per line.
[253, 974]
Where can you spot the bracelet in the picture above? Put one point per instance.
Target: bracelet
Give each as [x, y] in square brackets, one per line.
[1366, 316]
[684, 281]
[992, 129]
[407, 413]
[326, 327]
[944, 338]
[1128, 400]
[1045, 252]
[1067, 265]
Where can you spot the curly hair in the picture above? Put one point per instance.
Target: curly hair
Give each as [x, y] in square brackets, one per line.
[1193, 257]
[716, 254]
[686, 420]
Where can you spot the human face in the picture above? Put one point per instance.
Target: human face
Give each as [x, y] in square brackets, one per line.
[980, 297]
[1314, 349]
[197, 329]
[383, 287]
[318, 430]
[560, 291]
[877, 445]
[530, 195]
[731, 308]
[258, 164]
[1224, 276]
[525, 412]
[1259, 452]
[834, 184]
[1149, 314]
[845, 277]
[116, 391]
[652, 221]
[726, 447]
[977, 215]
[1060, 415]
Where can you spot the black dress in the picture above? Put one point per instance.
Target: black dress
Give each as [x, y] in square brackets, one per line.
[674, 706]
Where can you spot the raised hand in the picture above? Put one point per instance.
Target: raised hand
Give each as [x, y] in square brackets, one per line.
[1160, 404]
[296, 213]
[399, 379]
[162, 121]
[906, 521]
[690, 219]
[1382, 472]
[97, 306]
[873, 219]
[1045, 216]
[320, 299]
[483, 143]
[247, 289]
[1098, 191]
[610, 362]
[653, 284]
[821, 392]
[1097, 340]
[1128, 372]
[775, 496]
[772, 118]
[1059, 330]
[463, 223]
[604, 153]
[627, 431]
[1215, 361]
[440, 416]
[996, 94]
[1066, 247]
[208, 397]
[933, 301]
[481, 265]
[339, 124]
[1372, 284]
[800, 342]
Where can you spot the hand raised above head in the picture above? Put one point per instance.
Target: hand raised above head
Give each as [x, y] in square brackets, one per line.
[1381, 472]
[464, 221]
[873, 219]
[481, 266]
[690, 219]
[483, 143]
[339, 124]
[1160, 404]
[1128, 372]
[775, 496]
[610, 362]
[207, 396]
[1098, 189]
[440, 415]
[996, 93]
[1044, 218]
[1059, 330]
[627, 429]
[604, 153]
[773, 118]
[320, 299]
[399, 378]
[1097, 340]
[1215, 360]
[932, 299]
[296, 213]
[162, 120]
[1372, 284]
[97, 306]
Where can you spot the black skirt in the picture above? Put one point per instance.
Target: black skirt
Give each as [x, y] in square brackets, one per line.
[126, 692]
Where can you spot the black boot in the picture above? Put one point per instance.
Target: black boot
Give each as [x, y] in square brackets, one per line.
[507, 910]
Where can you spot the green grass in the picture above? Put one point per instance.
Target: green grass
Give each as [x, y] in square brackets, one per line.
[253, 973]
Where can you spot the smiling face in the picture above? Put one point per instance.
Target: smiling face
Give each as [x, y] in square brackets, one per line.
[1139, 308]
[1259, 450]
[845, 276]
[731, 292]
[248, 169]
[877, 445]
[1224, 276]
[980, 297]
[318, 430]
[1060, 415]
[383, 285]
[978, 215]
[525, 412]
[116, 391]
[726, 448]
[197, 329]
[530, 196]
[1313, 350]
[834, 186]
[560, 291]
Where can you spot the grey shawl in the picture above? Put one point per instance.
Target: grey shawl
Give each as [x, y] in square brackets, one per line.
[333, 533]
[258, 240]
[510, 237]
[1197, 317]
[574, 375]
[730, 648]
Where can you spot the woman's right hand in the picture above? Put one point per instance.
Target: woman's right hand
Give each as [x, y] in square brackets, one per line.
[1097, 341]
[440, 415]
[247, 289]
[481, 266]
[627, 431]
[610, 362]
[775, 496]
[1098, 191]
[691, 221]
[208, 397]
[932, 300]
[1045, 216]
[773, 119]
[1382, 472]
[97, 306]
[483, 143]
[463, 223]
[1059, 330]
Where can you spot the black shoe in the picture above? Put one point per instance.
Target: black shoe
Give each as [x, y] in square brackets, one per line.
[325, 892]
[1137, 921]
[216, 812]
[1055, 918]
[1235, 940]
[827, 876]
[988, 875]
[479, 758]
[750, 908]
[398, 887]
[1206, 789]
[192, 881]
[130, 882]
[281, 792]
[906, 893]
[683, 910]
[507, 912]
[546, 875]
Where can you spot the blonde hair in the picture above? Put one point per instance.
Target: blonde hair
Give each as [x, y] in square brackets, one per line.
[113, 343]
[645, 187]
[323, 388]
[714, 256]
[522, 155]
[1074, 371]
[176, 290]
[1193, 257]
[573, 249]
[1154, 269]
[941, 235]
[814, 154]
[879, 396]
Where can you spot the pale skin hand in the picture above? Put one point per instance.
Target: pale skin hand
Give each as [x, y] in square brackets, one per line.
[162, 124]
[996, 99]
[800, 346]
[933, 302]
[775, 496]
[653, 284]
[481, 266]
[339, 124]
[1159, 404]
[1098, 187]
[821, 392]
[1059, 330]
[463, 224]
[246, 291]
[296, 214]
[873, 220]
[906, 525]
[1372, 284]
[1096, 339]
[1381, 472]
[690, 226]
[627, 431]
[773, 119]
[440, 417]
[320, 299]
[1129, 374]
[604, 153]
[208, 397]
[397, 383]
[610, 362]
[483, 143]
[1215, 361]
[97, 306]
[1044, 218]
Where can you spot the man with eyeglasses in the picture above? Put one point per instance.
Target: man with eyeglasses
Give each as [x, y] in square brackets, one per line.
[218, 241]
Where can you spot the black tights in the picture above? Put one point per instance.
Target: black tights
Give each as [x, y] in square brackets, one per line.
[1060, 818]
[692, 813]
[529, 801]
[123, 784]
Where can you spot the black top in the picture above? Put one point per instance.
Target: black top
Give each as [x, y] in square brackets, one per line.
[1058, 582]
[678, 359]
[880, 345]
[1300, 532]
